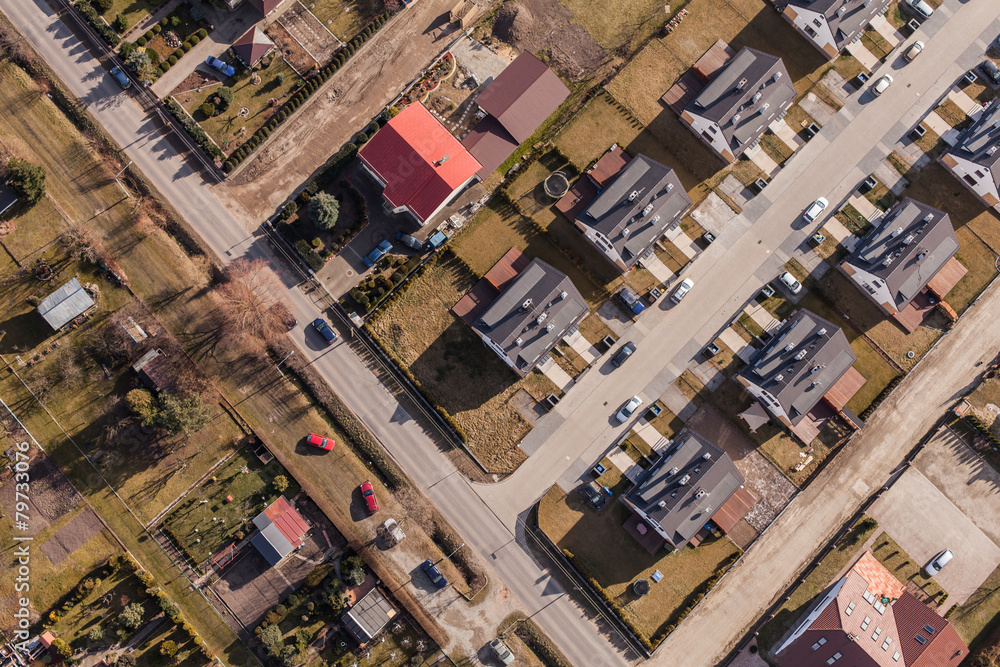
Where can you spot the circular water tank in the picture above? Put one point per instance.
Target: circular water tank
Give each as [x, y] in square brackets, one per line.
[640, 587]
[556, 185]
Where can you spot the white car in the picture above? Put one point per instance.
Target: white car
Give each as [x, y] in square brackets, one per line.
[815, 209]
[939, 562]
[789, 281]
[913, 51]
[682, 290]
[629, 409]
[882, 84]
[921, 7]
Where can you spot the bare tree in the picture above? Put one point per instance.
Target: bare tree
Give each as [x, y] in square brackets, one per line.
[251, 310]
[82, 244]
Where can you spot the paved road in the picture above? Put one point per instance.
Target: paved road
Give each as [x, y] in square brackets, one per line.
[539, 594]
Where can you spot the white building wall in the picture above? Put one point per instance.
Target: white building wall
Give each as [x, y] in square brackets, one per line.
[984, 185]
[705, 127]
[879, 290]
[808, 18]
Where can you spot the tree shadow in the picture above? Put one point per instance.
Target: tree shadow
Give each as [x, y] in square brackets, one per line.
[23, 332]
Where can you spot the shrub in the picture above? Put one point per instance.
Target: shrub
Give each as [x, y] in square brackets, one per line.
[172, 60]
[157, 29]
[175, 21]
[169, 648]
[292, 601]
[282, 610]
[202, 34]
[225, 93]
[316, 243]
[281, 483]
[178, 53]
[194, 39]
[373, 127]
[186, 46]
[27, 180]
[164, 66]
[62, 648]
[120, 24]
[163, 22]
[148, 35]
[208, 109]
[361, 138]
[141, 41]
[102, 5]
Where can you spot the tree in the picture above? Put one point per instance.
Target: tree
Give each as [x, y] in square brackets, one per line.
[62, 648]
[225, 95]
[352, 569]
[272, 640]
[28, 180]
[95, 635]
[182, 416]
[102, 6]
[120, 24]
[168, 648]
[250, 306]
[131, 616]
[208, 109]
[140, 63]
[125, 660]
[281, 483]
[324, 209]
[142, 403]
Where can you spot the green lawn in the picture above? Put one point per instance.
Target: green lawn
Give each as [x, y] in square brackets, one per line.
[203, 528]
[134, 10]
[229, 129]
[602, 549]
[851, 218]
[977, 618]
[876, 43]
[904, 568]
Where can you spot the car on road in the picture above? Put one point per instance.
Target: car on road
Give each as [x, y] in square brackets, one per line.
[623, 354]
[682, 290]
[592, 494]
[882, 84]
[913, 51]
[432, 573]
[501, 652]
[629, 409]
[789, 281]
[991, 70]
[378, 253]
[220, 65]
[938, 562]
[815, 209]
[328, 334]
[368, 493]
[320, 441]
[920, 8]
[120, 77]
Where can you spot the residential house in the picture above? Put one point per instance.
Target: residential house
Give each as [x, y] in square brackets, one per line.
[746, 95]
[867, 618]
[368, 616]
[678, 496]
[975, 160]
[419, 163]
[642, 202]
[281, 530]
[901, 257]
[265, 7]
[806, 357]
[154, 371]
[515, 104]
[252, 46]
[830, 25]
[65, 304]
[521, 309]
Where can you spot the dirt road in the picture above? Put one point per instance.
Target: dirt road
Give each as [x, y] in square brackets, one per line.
[349, 100]
[945, 374]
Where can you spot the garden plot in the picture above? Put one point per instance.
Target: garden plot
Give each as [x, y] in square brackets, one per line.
[302, 26]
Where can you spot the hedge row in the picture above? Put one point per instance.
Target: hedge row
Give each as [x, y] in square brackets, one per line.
[189, 42]
[539, 643]
[870, 410]
[699, 594]
[983, 428]
[366, 305]
[303, 93]
[193, 128]
[102, 28]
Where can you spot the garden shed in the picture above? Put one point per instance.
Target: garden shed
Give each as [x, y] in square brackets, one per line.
[65, 304]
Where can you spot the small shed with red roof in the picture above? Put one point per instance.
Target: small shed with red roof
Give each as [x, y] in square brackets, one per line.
[281, 530]
[418, 162]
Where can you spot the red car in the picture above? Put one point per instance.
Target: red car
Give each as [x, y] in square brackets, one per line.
[368, 493]
[320, 441]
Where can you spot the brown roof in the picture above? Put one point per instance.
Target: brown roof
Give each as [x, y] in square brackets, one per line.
[252, 46]
[490, 144]
[505, 270]
[608, 167]
[576, 201]
[597, 178]
[734, 509]
[694, 80]
[485, 292]
[844, 389]
[947, 278]
[523, 96]
[713, 60]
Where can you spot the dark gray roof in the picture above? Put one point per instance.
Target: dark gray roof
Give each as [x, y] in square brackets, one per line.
[905, 252]
[799, 382]
[979, 143]
[846, 18]
[682, 491]
[66, 303]
[632, 224]
[745, 96]
[367, 618]
[271, 544]
[533, 314]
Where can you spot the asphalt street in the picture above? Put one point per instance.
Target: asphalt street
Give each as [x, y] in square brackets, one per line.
[726, 275]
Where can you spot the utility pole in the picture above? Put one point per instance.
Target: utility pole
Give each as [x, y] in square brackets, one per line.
[448, 557]
[119, 183]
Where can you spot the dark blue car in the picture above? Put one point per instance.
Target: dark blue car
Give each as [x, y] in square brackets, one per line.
[328, 334]
[436, 577]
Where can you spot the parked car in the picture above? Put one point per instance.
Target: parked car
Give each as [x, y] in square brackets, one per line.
[920, 8]
[789, 281]
[501, 652]
[913, 51]
[630, 300]
[939, 561]
[991, 70]
[328, 334]
[410, 241]
[628, 410]
[815, 209]
[623, 354]
[320, 442]
[378, 253]
[682, 290]
[592, 494]
[882, 84]
[220, 65]
[121, 77]
[368, 493]
[432, 573]
[710, 350]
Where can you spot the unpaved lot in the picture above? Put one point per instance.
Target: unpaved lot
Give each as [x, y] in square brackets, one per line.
[350, 99]
[72, 536]
[50, 496]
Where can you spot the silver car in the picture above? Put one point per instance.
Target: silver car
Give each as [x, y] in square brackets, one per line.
[628, 410]
[921, 8]
[501, 651]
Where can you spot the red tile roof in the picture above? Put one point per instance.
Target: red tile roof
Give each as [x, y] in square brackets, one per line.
[523, 96]
[288, 521]
[734, 509]
[843, 390]
[419, 160]
[881, 582]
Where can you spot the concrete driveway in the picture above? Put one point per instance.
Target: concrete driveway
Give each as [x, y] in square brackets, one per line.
[923, 520]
